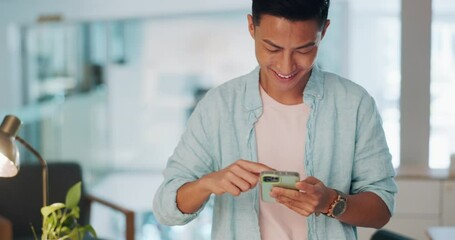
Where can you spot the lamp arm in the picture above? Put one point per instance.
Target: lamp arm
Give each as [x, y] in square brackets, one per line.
[43, 167]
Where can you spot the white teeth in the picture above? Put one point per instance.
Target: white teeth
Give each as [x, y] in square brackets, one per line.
[284, 76]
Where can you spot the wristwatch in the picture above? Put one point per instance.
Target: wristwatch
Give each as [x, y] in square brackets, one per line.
[338, 206]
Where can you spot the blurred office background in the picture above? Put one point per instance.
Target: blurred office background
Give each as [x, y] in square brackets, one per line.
[110, 84]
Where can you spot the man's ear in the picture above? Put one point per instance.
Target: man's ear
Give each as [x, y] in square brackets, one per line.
[250, 25]
[327, 23]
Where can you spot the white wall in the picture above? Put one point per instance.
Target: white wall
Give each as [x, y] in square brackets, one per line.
[18, 12]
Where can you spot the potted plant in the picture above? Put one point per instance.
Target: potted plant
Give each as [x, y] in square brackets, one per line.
[60, 220]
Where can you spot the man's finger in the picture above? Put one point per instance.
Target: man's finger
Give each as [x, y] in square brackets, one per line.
[312, 180]
[246, 175]
[253, 166]
[305, 187]
[303, 209]
[289, 193]
[239, 182]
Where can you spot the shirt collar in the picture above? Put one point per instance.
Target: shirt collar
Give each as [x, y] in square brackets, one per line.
[253, 101]
[315, 85]
[252, 94]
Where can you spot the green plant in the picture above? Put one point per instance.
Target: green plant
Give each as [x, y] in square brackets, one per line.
[60, 219]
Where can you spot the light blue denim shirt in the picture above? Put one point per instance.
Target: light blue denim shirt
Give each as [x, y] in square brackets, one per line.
[345, 148]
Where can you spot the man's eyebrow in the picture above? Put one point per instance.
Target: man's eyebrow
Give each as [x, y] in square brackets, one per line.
[310, 44]
[272, 44]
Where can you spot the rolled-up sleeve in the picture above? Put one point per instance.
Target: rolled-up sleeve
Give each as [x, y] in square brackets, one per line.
[190, 161]
[373, 170]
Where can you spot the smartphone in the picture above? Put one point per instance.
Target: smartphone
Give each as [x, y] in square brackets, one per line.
[270, 179]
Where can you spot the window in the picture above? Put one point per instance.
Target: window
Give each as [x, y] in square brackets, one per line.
[363, 44]
[442, 120]
[170, 62]
[51, 63]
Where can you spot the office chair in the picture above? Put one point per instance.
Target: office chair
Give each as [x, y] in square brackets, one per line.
[383, 234]
[21, 199]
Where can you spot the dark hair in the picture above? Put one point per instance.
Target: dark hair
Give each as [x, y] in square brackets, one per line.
[293, 10]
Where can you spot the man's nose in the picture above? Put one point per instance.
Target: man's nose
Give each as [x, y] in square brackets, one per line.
[286, 64]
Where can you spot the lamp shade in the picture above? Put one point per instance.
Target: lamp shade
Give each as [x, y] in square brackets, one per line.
[9, 154]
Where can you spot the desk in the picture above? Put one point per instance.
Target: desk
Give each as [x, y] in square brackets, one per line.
[441, 233]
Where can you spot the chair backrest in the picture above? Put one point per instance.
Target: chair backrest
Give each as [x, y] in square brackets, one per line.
[383, 234]
[21, 196]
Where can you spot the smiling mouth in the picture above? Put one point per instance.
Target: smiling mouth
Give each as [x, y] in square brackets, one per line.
[287, 77]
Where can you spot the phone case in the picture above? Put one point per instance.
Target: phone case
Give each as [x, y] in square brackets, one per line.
[269, 179]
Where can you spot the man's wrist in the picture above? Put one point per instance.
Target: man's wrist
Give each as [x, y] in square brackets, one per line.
[338, 206]
[203, 185]
[330, 199]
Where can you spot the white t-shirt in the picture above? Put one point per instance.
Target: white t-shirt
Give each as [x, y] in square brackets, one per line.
[281, 135]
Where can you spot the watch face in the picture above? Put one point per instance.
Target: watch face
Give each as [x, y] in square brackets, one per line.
[339, 208]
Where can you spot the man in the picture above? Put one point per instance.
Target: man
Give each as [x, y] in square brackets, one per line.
[286, 115]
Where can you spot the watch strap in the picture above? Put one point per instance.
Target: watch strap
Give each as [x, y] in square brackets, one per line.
[340, 197]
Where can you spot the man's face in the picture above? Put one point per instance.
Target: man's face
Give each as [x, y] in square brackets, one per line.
[286, 52]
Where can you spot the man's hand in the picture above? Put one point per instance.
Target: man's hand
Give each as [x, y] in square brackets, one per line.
[313, 197]
[241, 176]
[238, 177]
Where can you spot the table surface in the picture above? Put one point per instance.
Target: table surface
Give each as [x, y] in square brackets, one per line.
[441, 233]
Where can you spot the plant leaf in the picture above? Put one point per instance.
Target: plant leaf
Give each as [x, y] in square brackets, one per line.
[73, 235]
[47, 210]
[60, 220]
[74, 213]
[91, 230]
[74, 195]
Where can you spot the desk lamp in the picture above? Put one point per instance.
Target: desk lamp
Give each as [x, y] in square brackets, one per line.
[9, 155]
